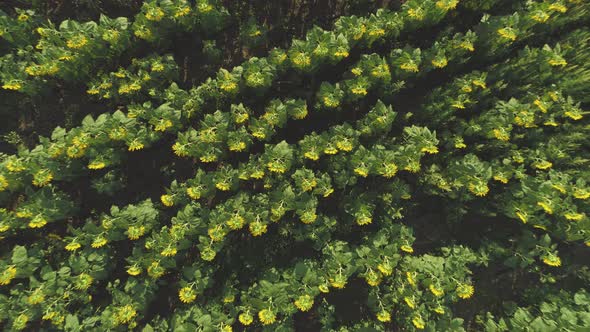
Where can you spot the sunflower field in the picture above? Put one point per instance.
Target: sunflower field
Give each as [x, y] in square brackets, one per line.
[295, 165]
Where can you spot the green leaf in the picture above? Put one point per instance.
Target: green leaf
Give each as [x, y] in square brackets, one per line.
[88, 121]
[19, 255]
[457, 324]
[147, 328]
[49, 276]
[118, 115]
[300, 270]
[204, 320]
[582, 298]
[548, 308]
[538, 324]
[72, 323]
[58, 133]
[522, 318]
[122, 22]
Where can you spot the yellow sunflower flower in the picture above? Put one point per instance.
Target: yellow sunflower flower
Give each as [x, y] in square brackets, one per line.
[187, 295]
[267, 316]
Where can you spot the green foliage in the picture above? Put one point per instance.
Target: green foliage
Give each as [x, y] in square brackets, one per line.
[402, 171]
